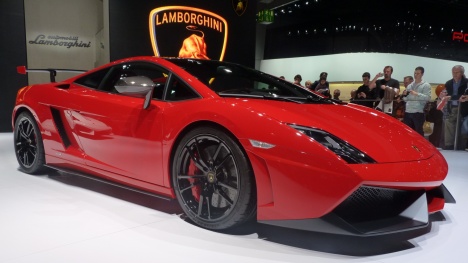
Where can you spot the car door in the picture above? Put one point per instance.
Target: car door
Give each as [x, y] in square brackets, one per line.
[116, 133]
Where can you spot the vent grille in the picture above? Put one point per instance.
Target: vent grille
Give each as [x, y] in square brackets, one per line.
[374, 203]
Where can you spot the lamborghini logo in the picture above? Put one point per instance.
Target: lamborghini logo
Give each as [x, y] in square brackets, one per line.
[188, 32]
[239, 6]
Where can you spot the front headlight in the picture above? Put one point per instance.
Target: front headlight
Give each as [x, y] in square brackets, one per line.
[341, 148]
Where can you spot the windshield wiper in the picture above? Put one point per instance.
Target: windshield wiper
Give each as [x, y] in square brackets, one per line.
[322, 99]
[271, 97]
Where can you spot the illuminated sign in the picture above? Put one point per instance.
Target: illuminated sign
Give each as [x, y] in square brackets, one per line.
[266, 16]
[460, 36]
[188, 32]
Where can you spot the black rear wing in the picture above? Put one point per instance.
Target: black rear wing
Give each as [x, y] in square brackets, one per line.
[52, 72]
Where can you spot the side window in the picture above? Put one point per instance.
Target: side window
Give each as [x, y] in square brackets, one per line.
[156, 74]
[178, 90]
[93, 80]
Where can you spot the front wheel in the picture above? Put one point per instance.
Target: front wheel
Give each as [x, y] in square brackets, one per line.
[213, 180]
[29, 148]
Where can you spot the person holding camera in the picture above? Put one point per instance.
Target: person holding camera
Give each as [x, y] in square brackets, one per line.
[399, 104]
[416, 95]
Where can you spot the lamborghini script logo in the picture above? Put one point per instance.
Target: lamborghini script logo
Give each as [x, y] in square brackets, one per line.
[187, 32]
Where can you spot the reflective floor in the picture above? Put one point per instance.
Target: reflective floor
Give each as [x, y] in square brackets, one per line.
[63, 218]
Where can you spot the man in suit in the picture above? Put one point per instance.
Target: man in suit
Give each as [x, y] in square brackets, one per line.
[455, 88]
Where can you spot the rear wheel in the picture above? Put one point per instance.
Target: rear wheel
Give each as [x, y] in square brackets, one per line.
[213, 180]
[29, 148]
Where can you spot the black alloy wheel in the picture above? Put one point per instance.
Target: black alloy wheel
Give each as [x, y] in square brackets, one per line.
[213, 180]
[29, 148]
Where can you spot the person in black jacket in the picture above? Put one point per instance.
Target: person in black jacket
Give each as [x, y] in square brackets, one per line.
[464, 119]
[455, 88]
[322, 75]
[364, 96]
[381, 85]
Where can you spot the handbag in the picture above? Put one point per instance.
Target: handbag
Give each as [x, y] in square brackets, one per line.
[428, 128]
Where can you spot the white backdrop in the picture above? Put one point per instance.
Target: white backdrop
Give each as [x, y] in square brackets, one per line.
[350, 66]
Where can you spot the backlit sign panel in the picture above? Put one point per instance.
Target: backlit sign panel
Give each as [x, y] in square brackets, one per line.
[188, 32]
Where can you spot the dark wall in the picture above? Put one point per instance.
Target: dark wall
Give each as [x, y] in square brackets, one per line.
[129, 32]
[414, 27]
[12, 54]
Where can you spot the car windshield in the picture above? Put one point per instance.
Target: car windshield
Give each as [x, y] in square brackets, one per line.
[233, 80]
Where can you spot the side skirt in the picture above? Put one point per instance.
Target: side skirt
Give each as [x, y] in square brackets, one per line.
[87, 176]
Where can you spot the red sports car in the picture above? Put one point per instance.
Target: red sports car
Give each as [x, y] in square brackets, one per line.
[232, 144]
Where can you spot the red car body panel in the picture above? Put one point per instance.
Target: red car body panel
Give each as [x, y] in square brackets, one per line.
[113, 137]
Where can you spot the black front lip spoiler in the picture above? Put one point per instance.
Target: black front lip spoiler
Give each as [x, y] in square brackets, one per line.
[373, 211]
[333, 224]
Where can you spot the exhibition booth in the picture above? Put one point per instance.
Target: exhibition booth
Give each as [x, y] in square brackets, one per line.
[68, 215]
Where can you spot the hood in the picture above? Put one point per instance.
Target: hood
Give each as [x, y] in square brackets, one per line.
[383, 138]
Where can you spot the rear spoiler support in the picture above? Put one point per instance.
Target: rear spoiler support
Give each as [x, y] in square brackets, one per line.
[53, 72]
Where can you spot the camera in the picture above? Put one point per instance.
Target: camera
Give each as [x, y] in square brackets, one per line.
[407, 92]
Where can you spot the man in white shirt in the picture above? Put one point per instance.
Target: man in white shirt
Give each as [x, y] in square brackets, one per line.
[416, 95]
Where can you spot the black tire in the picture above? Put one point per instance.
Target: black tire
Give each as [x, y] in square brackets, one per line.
[29, 148]
[213, 180]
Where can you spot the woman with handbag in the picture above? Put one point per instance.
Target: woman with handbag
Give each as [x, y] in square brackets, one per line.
[436, 116]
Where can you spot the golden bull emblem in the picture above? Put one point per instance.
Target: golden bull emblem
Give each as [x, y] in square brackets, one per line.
[194, 46]
[169, 25]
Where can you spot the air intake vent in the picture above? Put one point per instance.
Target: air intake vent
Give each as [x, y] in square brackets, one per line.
[61, 129]
[373, 203]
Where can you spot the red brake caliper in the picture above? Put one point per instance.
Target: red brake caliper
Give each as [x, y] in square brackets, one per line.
[192, 170]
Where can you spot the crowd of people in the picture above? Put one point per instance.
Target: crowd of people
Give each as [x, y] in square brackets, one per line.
[448, 113]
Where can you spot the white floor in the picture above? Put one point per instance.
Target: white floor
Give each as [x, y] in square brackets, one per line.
[63, 218]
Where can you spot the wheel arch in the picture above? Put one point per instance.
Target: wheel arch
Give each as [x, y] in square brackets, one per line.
[205, 123]
[20, 110]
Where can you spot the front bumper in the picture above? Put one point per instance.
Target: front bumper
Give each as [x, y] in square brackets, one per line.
[372, 211]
